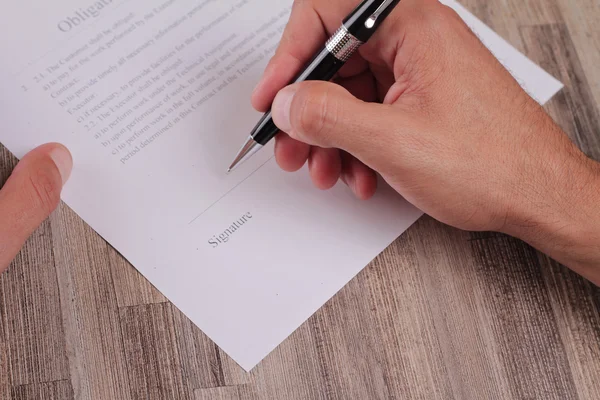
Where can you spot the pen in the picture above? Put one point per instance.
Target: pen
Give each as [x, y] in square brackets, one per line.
[357, 28]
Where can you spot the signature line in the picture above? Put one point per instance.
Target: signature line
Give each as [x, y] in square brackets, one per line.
[231, 190]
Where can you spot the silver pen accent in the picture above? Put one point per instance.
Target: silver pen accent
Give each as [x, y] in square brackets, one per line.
[356, 29]
[342, 45]
[372, 20]
[248, 150]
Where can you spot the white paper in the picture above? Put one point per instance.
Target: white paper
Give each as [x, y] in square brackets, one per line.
[152, 99]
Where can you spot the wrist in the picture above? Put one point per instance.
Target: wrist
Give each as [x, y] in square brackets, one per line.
[559, 211]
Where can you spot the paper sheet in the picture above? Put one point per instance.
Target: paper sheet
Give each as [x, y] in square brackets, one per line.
[152, 99]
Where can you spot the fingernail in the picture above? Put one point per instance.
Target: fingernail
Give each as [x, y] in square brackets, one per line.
[281, 108]
[64, 162]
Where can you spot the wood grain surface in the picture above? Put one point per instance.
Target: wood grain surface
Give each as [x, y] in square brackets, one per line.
[441, 314]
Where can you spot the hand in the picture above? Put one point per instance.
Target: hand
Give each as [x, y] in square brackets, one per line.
[30, 195]
[428, 107]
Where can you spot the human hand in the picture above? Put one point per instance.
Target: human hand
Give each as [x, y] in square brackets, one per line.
[428, 107]
[29, 196]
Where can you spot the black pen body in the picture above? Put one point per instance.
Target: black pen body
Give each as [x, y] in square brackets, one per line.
[323, 67]
[364, 21]
[356, 30]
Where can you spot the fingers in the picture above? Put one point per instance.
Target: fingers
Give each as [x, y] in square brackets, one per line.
[360, 178]
[362, 86]
[325, 167]
[324, 164]
[307, 30]
[311, 23]
[30, 195]
[356, 65]
[303, 36]
[291, 155]
[326, 115]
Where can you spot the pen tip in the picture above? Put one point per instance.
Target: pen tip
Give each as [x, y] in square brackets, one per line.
[247, 150]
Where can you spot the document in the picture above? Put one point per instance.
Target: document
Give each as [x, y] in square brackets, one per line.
[152, 99]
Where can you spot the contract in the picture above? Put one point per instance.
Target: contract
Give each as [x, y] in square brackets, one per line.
[152, 98]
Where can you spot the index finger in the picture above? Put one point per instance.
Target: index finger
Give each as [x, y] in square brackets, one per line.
[306, 32]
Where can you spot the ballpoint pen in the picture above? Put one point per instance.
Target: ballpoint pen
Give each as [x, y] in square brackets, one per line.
[357, 28]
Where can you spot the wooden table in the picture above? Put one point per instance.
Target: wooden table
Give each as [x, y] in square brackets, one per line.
[441, 314]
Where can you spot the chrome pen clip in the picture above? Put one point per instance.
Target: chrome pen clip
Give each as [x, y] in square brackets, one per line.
[372, 20]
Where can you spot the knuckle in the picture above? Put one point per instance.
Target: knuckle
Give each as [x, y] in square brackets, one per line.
[431, 60]
[45, 184]
[432, 19]
[443, 23]
[318, 113]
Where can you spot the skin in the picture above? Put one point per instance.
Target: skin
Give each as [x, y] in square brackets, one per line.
[429, 108]
[426, 106]
[30, 194]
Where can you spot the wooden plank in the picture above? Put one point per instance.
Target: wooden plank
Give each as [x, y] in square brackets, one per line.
[367, 342]
[293, 370]
[460, 320]
[416, 359]
[576, 306]
[574, 108]
[5, 381]
[233, 373]
[581, 19]
[511, 13]
[505, 18]
[32, 340]
[440, 314]
[153, 359]
[98, 368]
[346, 346]
[131, 288]
[524, 325]
[571, 297]
[57, 390]
[373, 339]
[34, 333]
[242, 392]
[494, 313]
[204, 364]
[7, 163]
[201, 367]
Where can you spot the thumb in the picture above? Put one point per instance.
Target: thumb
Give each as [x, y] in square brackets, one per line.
[326, 115]
[31, 193]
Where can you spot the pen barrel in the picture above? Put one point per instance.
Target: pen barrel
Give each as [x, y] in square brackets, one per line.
[323, 67]
[265, 130]
[356, 29]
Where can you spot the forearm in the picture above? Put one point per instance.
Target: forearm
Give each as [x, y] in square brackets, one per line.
[573, 233]
[561, 212]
